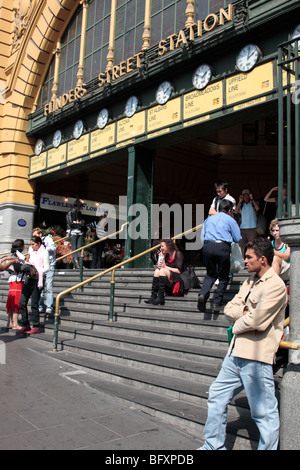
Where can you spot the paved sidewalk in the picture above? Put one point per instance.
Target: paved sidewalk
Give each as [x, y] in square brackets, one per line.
[45, 405]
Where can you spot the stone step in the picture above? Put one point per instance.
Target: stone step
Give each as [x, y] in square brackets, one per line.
[172, 406]
[193, 346]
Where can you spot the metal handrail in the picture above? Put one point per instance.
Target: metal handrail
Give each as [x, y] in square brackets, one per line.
[288, 344]
[84, 247]
[112, 270]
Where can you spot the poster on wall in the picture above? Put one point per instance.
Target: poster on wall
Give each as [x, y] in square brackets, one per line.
[91, 208]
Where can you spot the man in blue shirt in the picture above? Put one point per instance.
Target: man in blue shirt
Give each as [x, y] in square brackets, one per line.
[219, 231]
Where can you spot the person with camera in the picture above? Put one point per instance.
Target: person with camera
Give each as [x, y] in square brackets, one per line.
[37, 266]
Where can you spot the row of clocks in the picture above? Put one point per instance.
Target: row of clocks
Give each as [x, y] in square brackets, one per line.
[246, 60]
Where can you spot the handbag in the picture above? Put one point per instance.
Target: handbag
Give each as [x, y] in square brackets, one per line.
[236, 258]
[189, 279]
[261, 224]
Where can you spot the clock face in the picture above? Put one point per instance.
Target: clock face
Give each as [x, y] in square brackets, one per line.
[296, 34]
[202, 76]
[131, 106]
[248, 57]
[164, 92]
[38, 146]
[78, 129]
[57, 138]
[103, 117]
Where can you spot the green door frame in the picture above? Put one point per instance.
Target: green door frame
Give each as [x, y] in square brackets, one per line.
[139, 193]
[288, 111]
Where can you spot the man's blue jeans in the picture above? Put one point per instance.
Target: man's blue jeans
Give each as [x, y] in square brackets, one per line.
[257, 379]
[48, 290]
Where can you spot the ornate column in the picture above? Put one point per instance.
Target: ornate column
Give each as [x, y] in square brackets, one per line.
[56, 70]
[111, 45]
[82, 43]
[290, 385]
[190, 13]
[147, 25]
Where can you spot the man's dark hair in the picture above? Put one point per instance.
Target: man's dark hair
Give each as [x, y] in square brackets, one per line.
[225, 206]
[221, 184]
[262, 247]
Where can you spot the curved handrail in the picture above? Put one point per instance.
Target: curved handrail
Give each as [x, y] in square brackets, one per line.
[288, 344]
[106, 271]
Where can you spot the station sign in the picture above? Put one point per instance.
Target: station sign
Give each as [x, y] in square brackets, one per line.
[232, 93]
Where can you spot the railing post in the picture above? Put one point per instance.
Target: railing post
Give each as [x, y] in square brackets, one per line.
[55, 331]
[81, 268]
[112, 296]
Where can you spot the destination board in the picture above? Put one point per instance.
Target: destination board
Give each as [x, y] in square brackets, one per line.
[102, 138]
[77, 148]
[203, 101]
[245, 86]
[38, 163]
[56, 156]
[129, 128]
[164, 115]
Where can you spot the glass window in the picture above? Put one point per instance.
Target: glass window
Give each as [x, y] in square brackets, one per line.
[205, 7]
[130, 16]
[46, 91]
[69, 55]
[97, 37]
[167, 17]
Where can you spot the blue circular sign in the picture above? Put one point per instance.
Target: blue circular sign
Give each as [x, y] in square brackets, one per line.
[22, 223]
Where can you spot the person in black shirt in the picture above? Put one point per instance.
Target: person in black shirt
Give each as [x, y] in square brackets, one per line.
[167, 273]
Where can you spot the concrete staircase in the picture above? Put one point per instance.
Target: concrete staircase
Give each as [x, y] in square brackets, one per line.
[162, 359]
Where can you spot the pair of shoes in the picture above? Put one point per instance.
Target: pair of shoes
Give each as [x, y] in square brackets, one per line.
[216, 307]
[150, 300]
[23, 330]
[201, 303]
[33, 331]
[49, 311]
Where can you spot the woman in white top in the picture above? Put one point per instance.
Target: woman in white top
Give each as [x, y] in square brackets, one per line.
[33, 286]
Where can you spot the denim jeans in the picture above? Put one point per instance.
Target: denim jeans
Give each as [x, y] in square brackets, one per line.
[97, 251]
[257, 379]
[30, 290]
[76, 242]
[48, 290]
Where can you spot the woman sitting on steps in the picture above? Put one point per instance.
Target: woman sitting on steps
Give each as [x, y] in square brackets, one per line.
[167, 273]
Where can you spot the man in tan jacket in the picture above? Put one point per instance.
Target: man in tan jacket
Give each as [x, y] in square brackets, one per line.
[257, 312]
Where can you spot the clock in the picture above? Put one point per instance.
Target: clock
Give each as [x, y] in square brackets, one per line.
[296, 34]
[164, 92]
[131, 106]
[38, 146]
[102, 119]
[78, 129]
[202, 76]
[57, 137]
[248, 57]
